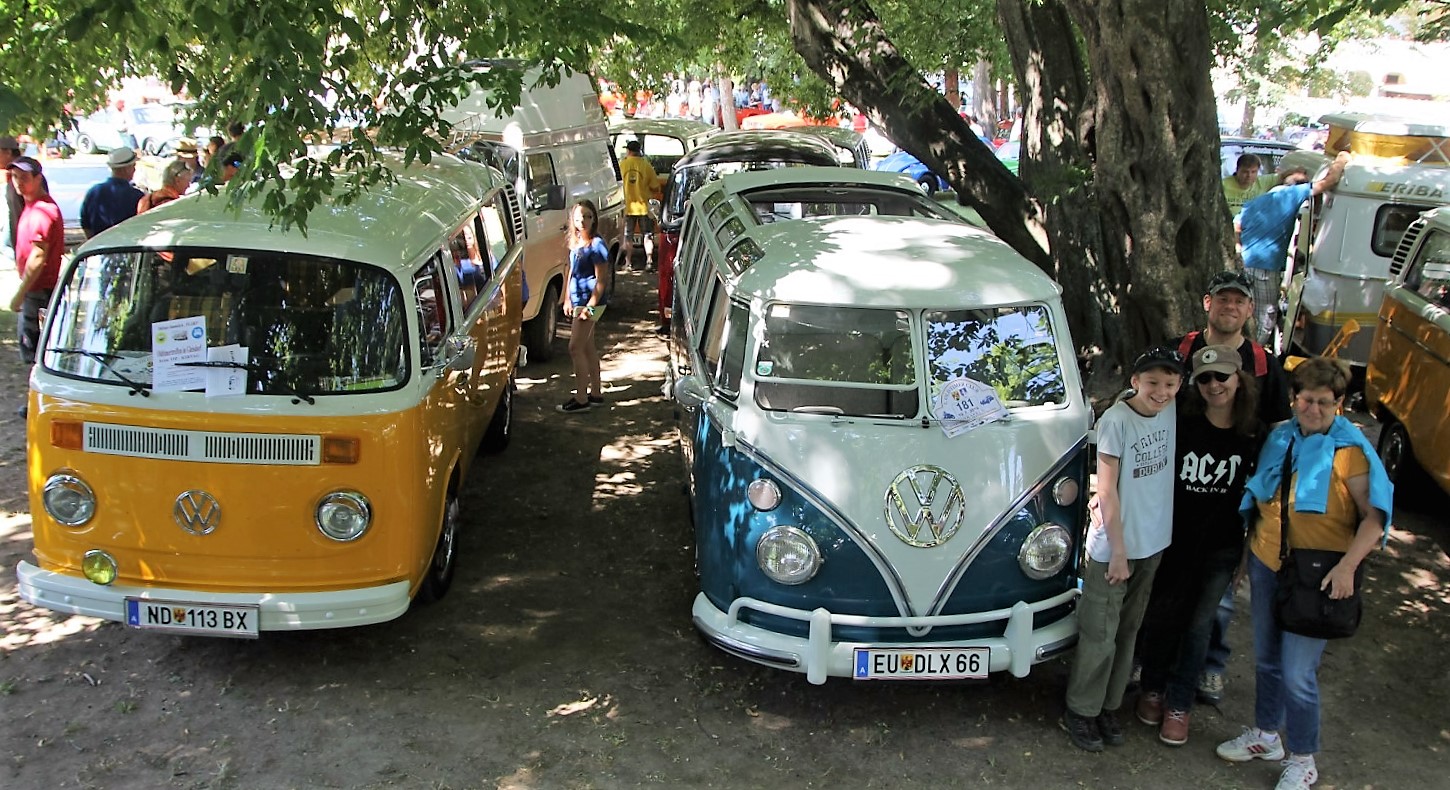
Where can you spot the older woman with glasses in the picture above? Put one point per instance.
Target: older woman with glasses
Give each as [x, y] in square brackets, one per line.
[1339, 499]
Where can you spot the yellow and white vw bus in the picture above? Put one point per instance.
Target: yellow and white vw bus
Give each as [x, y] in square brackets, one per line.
[235, 428]
[884, 431]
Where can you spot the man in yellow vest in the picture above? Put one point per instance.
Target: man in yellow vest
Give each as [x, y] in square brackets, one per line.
[640, 183]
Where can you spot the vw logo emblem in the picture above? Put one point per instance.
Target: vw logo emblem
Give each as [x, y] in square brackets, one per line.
[197, 512]
[925, 506]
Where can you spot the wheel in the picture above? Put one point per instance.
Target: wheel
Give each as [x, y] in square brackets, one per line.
[1397, 455]
[85, 144]
[445, 555]
[927, 183]
[500, 428]
[148, 146]
[540, 331]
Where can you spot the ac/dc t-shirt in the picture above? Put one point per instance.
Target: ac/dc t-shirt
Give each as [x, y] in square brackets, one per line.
[1144, 447]
[1213, 465]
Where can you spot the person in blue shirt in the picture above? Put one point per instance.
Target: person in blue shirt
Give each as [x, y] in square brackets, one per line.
[113, 200]
[1265, 227]
[584, 300]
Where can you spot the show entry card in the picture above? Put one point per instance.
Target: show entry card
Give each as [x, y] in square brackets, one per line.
[226, 381]
[965, 404]
[172, 342]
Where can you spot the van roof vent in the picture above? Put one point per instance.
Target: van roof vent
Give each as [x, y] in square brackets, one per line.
[1407, 243]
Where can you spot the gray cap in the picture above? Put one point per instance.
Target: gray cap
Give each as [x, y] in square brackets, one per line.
[121, 157]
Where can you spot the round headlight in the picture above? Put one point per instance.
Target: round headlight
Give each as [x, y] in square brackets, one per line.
[99, 567]
[763, 494]
[788, 555]
[68, 499]
[1064, 491]
[1045, 551]
[344, 515]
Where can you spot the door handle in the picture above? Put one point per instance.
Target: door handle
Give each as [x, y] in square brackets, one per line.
[461, 382]
[683, 370]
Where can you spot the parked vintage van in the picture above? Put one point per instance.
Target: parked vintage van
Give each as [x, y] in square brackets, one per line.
[1407, 385]
[554, 147]
[1400, 169]
[235, 428]
[884, 430]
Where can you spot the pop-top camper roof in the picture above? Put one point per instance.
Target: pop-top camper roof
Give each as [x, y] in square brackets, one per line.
[1410, 141]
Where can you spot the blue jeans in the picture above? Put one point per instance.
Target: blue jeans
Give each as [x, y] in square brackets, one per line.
[1286, 694]
[1180, 617]
[1216, 660]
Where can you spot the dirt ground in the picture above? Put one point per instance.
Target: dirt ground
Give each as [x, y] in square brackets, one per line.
[564, 657]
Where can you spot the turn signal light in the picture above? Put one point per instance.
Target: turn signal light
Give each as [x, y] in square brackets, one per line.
[67, 435]
[341, 450]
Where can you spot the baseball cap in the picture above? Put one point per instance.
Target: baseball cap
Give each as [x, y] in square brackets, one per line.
[27, 164]
[632, 145]
[1159, 358]
[1217, 359]
[8, 141]
[121, 157]
[1231, 280]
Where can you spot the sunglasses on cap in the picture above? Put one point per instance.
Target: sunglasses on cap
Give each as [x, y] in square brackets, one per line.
[1159, 354]
[1231, 279]
[1203, 378]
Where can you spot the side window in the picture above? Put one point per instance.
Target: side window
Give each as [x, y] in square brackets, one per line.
[712, 339]
[497, 233]
[541, 173]
[469, 267]
[732, 361]
[1429, 273]
[1390, 223]
[433, 323]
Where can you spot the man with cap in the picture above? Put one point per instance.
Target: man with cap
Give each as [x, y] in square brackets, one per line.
[39, 243]
[1229, 302]
[640, 183]
[14, 204]
[114, 199]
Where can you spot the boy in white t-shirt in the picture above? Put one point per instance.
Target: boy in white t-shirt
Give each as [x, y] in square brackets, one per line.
[1135, 492]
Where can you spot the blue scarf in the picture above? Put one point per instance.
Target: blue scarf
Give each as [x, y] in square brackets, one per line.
[1313, 460]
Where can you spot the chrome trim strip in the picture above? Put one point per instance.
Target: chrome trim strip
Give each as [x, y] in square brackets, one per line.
[885, 568]
[955, 577]
[743, 650]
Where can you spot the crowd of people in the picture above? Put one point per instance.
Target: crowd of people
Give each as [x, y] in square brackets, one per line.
[692, 97]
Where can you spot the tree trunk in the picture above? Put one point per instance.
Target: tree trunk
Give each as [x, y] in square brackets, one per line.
[1251, 108]
[984, 97]
[951, 86]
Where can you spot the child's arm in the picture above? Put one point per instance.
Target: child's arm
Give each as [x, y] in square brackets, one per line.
[1108, 466]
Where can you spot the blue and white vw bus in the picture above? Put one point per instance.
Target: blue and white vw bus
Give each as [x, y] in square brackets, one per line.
[884, 429]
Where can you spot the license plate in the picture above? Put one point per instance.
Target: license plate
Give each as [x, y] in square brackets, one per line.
[922, 663]
[192, 618]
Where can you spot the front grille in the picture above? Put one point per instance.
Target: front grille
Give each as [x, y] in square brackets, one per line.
[204, 446]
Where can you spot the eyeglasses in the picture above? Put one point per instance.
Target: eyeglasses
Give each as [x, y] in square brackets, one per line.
[1203, 378]
[1323, 404]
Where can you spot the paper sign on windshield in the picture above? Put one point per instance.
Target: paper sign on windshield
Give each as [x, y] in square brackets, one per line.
[226, 381]
[173, 342]
[965, 404]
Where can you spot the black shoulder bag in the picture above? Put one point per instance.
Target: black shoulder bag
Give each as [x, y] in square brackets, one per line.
[1300, 607]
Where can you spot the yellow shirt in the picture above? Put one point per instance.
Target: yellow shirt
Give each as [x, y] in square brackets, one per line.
[1331, 530]
[640, 182]
[1237, 196]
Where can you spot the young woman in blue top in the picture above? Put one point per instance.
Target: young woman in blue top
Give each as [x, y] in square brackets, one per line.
[585, 296]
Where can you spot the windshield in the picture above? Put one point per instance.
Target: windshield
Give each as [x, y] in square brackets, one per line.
[686, 180]
[292, 324]
[836, 360]
[1010, 348]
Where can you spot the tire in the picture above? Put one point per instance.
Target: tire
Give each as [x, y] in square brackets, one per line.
[539, 332]
[85, 144]
[927, 183]
[148, 146]
[439, 576]
[500, 429]
[1398, 456]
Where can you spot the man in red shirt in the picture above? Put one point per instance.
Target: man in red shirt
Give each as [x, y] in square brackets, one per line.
[39, 242]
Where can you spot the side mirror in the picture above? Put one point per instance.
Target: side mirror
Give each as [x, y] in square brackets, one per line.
[690, 392]
[654, 207]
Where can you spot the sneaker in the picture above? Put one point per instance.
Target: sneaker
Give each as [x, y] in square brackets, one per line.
[1299, 773]
[1174, 731]
[1109, 728]
[595, 400]
[571, 406]
[1210, 688]
[1083, 731]
[1252, 744]
[1150, 708]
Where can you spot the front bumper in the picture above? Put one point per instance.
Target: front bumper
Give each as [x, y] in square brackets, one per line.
[279, 611]
[818, 657]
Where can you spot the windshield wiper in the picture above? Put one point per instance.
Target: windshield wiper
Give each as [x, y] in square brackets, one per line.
[103, 359]
[253, 368]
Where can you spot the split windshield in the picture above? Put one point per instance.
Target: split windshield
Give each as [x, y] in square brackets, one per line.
[297, 325]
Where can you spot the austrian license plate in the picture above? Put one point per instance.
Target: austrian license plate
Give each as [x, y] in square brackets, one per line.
[192, 618]
[922, 663]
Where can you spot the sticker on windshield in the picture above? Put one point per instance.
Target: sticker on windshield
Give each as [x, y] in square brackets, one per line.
[764, 367]
[965, 404]
[236, 264]
[221, 381]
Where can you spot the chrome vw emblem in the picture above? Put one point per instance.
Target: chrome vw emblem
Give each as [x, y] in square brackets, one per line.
[925, 506]
[197, 512]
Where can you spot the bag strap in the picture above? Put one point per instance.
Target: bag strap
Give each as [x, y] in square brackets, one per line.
[1284, 502]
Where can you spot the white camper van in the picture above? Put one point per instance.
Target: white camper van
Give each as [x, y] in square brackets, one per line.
[1400, 169]
[555, 146]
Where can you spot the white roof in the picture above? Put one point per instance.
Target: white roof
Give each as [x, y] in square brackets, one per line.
[387, 226]
[682, 128]
[879, 261]
[543, 110]
[1392, 125]
[816, 175]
